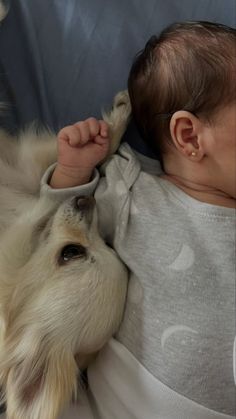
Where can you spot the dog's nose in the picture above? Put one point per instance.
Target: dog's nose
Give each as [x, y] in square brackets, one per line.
[84, 203]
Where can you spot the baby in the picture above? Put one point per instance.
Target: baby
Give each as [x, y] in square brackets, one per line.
[172, 224]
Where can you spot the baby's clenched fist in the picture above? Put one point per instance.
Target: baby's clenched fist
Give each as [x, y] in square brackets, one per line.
[81, 147]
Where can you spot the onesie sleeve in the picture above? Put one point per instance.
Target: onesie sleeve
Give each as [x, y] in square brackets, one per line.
[62, 194]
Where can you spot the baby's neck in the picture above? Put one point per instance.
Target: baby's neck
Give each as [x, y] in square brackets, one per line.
[202, 193]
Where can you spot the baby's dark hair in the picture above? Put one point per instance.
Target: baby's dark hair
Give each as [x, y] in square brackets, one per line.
[190, 66]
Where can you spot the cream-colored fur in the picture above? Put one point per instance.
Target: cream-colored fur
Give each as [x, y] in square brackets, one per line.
[3, 10]
[55, 310]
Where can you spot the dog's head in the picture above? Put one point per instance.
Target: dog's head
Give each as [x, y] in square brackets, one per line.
[62, 293]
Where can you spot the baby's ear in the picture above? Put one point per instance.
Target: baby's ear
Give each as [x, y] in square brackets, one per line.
[186, 132]
[39, 384]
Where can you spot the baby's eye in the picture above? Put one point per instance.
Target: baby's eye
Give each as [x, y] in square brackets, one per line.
[72, 251]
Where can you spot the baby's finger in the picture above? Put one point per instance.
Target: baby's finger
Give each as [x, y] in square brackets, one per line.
[84, 131]
[94, 127]
[70, 134]
[88, 129]
[104, 129]
[101, 140]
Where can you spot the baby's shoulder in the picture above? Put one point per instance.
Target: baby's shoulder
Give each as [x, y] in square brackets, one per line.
[127, 164]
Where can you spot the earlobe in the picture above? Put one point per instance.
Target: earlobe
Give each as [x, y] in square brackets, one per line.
[185, 129]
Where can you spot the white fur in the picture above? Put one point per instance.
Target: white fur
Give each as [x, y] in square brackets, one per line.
[3, 10]
[53, 316]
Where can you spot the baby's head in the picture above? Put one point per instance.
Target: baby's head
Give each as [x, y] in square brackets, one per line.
[190, 66]
[183, 77]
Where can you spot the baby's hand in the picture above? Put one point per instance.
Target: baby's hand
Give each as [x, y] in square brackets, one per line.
[80, 148]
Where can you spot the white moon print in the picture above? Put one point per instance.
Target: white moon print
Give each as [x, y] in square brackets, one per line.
[175, 329]
[184, 260]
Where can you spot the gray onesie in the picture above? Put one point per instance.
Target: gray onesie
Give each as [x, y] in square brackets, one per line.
[179, 320]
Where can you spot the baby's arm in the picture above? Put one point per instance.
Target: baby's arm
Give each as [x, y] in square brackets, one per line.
[80, 148]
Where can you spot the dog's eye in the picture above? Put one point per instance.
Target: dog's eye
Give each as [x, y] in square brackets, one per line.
[72, 251]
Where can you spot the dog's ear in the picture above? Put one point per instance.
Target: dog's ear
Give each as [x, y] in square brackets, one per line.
[37, 386]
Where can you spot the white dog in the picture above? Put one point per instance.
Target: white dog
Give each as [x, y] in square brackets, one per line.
[62, 290]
